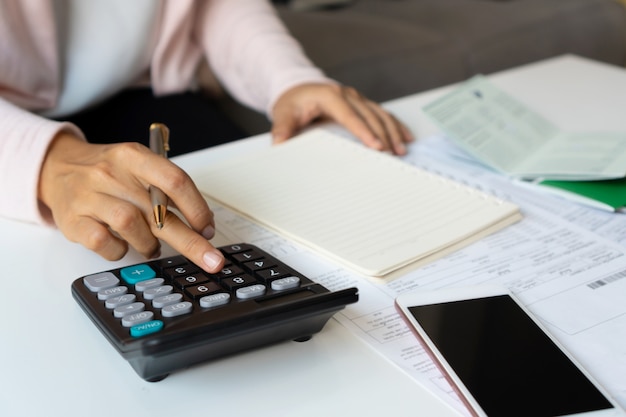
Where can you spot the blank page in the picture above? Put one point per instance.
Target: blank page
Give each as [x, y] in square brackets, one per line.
[368, 210]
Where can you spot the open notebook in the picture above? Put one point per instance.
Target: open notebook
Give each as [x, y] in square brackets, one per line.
[367, 210]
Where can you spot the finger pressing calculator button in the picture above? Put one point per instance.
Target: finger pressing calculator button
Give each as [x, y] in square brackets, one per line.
[127, 309]
[137, 318]
[97, 282]
[251, 291]
[285, 283]
[177, 309]
[136, 273]
[214, 300]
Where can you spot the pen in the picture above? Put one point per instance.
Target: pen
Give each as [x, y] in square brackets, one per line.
[159, 144]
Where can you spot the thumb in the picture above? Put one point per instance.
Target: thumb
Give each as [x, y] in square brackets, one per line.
[284, 126]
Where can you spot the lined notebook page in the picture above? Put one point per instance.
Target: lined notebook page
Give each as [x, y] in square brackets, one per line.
[368, 210]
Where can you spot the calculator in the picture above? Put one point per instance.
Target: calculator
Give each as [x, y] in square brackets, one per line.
[168, 314]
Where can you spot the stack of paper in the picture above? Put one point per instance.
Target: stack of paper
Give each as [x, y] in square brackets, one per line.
[365, 209]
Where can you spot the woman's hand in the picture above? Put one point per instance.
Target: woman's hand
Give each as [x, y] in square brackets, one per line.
[98, 196]
[369, 122]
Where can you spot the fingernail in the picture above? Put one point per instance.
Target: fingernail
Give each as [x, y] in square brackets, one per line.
[208, 232]
[212, 260]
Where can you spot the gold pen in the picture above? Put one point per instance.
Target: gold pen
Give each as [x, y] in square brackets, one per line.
[159, 144]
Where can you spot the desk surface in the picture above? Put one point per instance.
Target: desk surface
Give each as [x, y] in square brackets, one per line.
[53, 361]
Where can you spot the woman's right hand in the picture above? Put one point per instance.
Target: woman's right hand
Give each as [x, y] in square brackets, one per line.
[98, 196]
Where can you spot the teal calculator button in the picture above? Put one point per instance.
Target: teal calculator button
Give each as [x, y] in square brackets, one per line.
[137, 273]
[146, 328]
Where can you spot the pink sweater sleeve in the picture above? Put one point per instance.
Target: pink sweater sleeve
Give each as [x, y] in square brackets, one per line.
[25, 141]
[248, 48]
[251, 51]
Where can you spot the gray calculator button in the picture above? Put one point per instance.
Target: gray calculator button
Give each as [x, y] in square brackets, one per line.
[101, 281]
[141, 286]
[285, 283]
[214, 300]
[177, 309]
[128, 309]
[164, 300]
[251, 291]
[152, 293]
[137, 318]
[121, 300]
[112, 292]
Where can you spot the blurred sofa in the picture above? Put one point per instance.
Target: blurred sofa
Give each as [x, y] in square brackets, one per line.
[391, 48]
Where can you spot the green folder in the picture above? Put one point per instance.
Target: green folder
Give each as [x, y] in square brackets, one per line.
[606, 194]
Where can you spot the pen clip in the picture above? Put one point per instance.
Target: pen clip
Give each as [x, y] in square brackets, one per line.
[159, 139]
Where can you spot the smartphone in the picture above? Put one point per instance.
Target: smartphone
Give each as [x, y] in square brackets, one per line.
[499, 358]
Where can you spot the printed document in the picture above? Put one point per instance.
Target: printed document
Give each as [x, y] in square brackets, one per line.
[511, 138]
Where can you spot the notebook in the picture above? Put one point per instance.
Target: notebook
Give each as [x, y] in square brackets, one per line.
[505, 134]
[367, 210]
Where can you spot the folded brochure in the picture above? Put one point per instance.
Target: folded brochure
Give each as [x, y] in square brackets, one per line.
[505, 134]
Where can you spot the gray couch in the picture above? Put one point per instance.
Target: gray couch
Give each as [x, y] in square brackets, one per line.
[391, 48]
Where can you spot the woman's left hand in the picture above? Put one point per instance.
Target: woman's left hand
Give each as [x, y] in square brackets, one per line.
[368, 121]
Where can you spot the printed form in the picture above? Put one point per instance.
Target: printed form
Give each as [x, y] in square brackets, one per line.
[567, 263]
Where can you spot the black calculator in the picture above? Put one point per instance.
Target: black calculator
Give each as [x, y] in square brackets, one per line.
[168, 314]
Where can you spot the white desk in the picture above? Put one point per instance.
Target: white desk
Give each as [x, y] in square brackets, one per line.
[53, 361]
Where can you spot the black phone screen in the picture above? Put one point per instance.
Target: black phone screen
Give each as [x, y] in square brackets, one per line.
[511, 367]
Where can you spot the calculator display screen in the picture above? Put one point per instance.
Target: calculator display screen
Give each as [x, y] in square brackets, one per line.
[511, 367]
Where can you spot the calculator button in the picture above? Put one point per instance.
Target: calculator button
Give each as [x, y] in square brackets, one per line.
[247, 256]
[137, 318]
[188, 280]
[201, 290]
[160, 302]
[112, 292]
[152, 293]
[136, 273]
[121, 300]
[251, 291]
[170, 262]
[237, 282]
[228, 271]
[100, 281]
[177, 309]
[234, 249]
[144, 285]
[146, 328]
[214, 300]
[285, 283]
[128, 309]
[272, 273]
[259, 264]
[181, 270]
